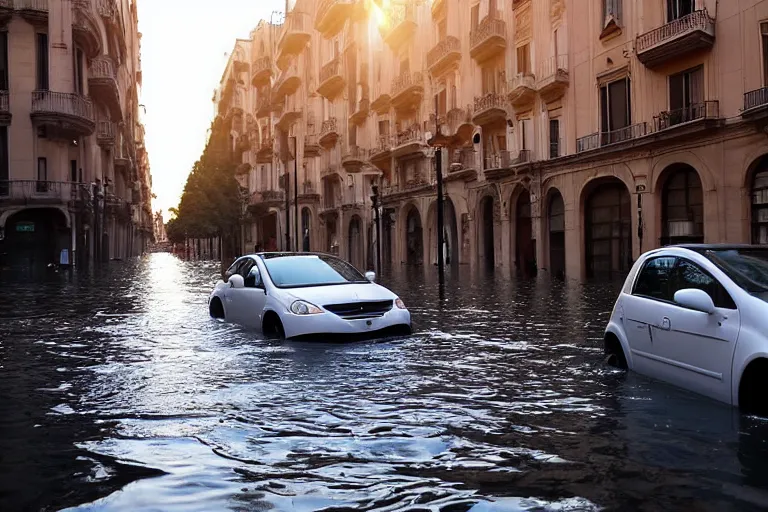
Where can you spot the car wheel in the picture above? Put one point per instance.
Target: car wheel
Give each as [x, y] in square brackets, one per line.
[273, 327]
[216, 308]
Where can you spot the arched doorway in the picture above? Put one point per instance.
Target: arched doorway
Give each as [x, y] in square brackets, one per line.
[331, 240]
[682, 206]
[356, 242]
[556, 213]
[487, 254]
[306, 219]
[414, 242]
[525, 246]
[608, 226]
[760, 203]
[34, 238]
[450, 234]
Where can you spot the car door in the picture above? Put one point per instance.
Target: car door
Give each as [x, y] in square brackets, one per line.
[650, 295]
[248, 302]
[698, 347]
[230, 311]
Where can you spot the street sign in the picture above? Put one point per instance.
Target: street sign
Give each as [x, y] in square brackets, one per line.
[25, 227]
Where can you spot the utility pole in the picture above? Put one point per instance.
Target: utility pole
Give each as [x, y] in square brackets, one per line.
[377, 221]
[287, 181]
[296, 192]
[438, 140]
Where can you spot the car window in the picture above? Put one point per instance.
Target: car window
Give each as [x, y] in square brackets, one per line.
[690, 275]
[297, 271]
[232, 269]
[253, 278]
[654, 279]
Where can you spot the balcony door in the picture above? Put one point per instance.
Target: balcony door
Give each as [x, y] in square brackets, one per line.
[686, 95]
[676, 9]
[615, 109]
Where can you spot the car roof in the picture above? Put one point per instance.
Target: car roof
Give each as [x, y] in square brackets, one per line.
[716, 247]
[283, 254]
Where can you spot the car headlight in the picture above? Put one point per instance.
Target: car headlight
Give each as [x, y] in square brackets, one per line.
[399, 303]
[302, 307]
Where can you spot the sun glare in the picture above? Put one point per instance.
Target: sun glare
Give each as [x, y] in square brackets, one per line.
[379, 14]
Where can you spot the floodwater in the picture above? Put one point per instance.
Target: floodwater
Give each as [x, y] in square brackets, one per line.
[119, 393]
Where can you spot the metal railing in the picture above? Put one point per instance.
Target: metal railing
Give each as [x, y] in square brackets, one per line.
[588, 142]
[399, 14]
[488, 28]
[698, 20]
[406, 80]
[449, 44]
[308, 188]
[331, 69]
[26, 190]
[752, 99]
[384, 143]
[295, 21]
[409, 136]
[102, 67]
[554, 66]
[499, 160]
[490, 101]
[106, 130]
[261, 64]
[62, 103]
[31, 5]
[355, 153]
[267, 196]
[623, 134]
[694, 112]
[329, 126]
[527, 80]
[464, 158]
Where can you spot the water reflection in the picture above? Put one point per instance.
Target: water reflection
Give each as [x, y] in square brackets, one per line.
[119, 393]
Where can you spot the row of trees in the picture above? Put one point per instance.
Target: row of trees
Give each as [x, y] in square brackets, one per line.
[211, 204]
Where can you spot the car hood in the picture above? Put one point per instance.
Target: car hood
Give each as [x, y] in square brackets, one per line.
[340, 294]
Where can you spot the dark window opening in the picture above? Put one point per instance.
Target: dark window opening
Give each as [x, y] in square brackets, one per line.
[42, 62]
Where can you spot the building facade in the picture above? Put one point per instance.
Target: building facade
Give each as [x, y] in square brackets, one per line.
[576, 136]
[75, 185]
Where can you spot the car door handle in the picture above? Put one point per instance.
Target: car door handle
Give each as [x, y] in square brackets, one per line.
[666, 324]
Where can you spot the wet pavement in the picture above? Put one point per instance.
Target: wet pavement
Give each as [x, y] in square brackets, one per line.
[119, 393]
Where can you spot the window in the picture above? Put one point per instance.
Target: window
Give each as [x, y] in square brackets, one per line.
[690, 275]
[475, 16]
[4, 61]
[676, 9]
[554, 138]
[4, 167]
[79, 71]
[73, 170]
[764, 37]
[615, 106]
[405, 66]
[301, 271]
[686, 95]
[611, 11]
[653, 282]
[526, 134]
[524, 60]
[383, 128]
[441, 103]
[42, 174]
[42, 62]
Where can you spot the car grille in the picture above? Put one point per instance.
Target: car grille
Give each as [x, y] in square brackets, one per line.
[360, 310]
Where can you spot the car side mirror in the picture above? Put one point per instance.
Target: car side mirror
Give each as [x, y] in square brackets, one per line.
[371, 276]
[695, 299]
[236, 281]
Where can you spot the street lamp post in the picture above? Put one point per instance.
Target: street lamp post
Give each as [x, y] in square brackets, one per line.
[296, 192]
[377, 221]
[438, 141]
[287, 182]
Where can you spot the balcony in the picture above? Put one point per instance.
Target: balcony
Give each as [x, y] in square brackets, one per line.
[499, 160]
[464, 165]
[265, 153]
[102, 83]
[554, 79]
[69, 114]
[444, 56]
[267, 199]
[42, 193]
[676, 39]
[287, 84]
[85, 29]
[262, 71]
[5, 109]
[308, 192]
[522, 92]
[264, 106]
[331, 80]
[361, 112]
[105, 134]
[296, 33]
[34, 11]
[329, 132]
[383, 150]
[331, 203]
[332, 15]
[754, 102]
[489, 108]
[407, 91]
[460, 122]
[488, 39]
[311, 145]
[698, 112]
[354, 159]
[603, 139]
[382, 101]
[400, 24]
[408, 141]
[288, 117]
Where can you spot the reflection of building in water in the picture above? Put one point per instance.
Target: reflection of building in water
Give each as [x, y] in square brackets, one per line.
[160, 234]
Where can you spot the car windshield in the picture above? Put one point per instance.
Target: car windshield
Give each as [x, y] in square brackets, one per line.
[747, 267]
[310, 270]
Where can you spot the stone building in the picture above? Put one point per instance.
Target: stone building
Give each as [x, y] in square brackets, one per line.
[580, 133]
[74, 174]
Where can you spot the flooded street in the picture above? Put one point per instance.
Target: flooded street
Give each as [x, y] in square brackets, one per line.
[119, 393]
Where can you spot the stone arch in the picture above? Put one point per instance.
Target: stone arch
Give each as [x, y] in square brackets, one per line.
[554, 231]
[35, 237]
[486, 217]
[412, 234]
[524, 243]
[306, 228]
[4, 216]
[606, 209]
[355, 242]
[685, 157]
[679, 192]
[757, 197]
[452, 247]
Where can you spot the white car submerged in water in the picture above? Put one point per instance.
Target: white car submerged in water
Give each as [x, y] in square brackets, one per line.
[697, 316]
[297, 295]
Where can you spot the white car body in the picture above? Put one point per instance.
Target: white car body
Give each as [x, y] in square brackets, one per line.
[360, 307]
[715, 346]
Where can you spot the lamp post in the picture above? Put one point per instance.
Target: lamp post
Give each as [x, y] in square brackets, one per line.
[296, 192]
[377, 221]
[287, 182]
[439, 140]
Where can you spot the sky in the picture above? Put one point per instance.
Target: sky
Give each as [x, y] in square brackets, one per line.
[184, 48]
